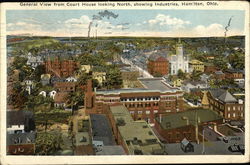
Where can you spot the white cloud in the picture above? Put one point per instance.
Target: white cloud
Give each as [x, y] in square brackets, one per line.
[162, 20]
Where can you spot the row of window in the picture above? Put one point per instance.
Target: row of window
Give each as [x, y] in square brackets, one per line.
[234, 115]
[141, 112]
[141, 105]
[240, 108]
[140, 99]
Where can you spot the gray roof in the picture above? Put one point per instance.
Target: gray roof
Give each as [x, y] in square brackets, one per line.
[223, 95]
[154, 57]
[101, 129]
[21, 138]
[176, 120]
[111, 150]
[185, 142]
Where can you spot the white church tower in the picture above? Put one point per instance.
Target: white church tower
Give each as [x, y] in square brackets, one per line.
[179, 61]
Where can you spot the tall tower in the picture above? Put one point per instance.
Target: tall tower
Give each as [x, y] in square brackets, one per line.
[89, 96]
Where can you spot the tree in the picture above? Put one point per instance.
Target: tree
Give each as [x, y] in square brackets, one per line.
[237, 60]
[113, 78]
[181, 74]
[48, 143]
[195, 76]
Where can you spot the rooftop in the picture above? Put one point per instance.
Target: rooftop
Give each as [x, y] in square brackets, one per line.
[101, 129]
[111, 150]
[176, 120]
[140, 139]
[18, 117]
[223, 95]
[21, 138]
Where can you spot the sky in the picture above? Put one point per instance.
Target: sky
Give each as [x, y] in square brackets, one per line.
[162, 23]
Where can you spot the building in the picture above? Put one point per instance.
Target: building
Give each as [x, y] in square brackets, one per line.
[222, 102]
[45, 79]
[209, 68]
[60, 68]
[157, 65]
[99, 76]
[187, 86]
[179, 61]
[136, 137]
[60, 99]
[196, 65]
[234, 74]
[142, 103]
[219, 75]
[20, 121]
[34, 61]
[175, 127]
[21, 143]
[65, 86]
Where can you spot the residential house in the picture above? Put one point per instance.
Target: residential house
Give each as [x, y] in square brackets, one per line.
[43, 93]
[52, 94]
[205, 77]
[219, 75]
[86, 68]
[71, 79]
[187, 86]
[45, 79]
[34, 61]
[99, 76]
[225, 104]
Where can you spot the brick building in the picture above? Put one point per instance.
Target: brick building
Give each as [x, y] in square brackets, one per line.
[142, 103]
[140, 140]
[222, 102]
[158, 65]
[234, 74]
[65, 86]
[175, 127]
[60, 68]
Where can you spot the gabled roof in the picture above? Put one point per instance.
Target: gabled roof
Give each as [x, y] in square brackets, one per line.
[185, 142]
[227, 97]
[222, 95]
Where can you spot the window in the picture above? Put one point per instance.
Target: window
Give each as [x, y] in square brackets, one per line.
[147, 112]
[155, 111]
[234, 108]
[131, 112]
[233, 114]
[241, 114]
[139, 112]
[228, 115]
[228, 108]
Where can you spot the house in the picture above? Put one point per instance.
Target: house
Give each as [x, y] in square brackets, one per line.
[205, 77]
[52, 94]
[219, 75]
[71, 79]
[225, 104]
[173, 128]
[43, 93]
[34, 61]
[209, 68]
[196, 65]
[186, 146]
[20, 121]
[86, 68]
[21, 143]
[99, 76]
[187, 86]
[29, 85]
[45, 79]
[157, 65]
